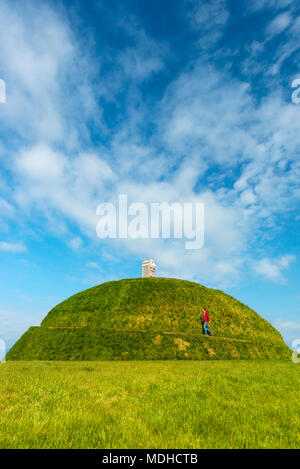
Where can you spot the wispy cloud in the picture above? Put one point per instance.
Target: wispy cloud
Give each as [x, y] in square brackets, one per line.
[272, 269]
[75, 243]
[144, 57]
[204, 137]
[92, 265]
[209, 19]
[42, 61]
[271, 4]
[279, 24]
[6, 208]
[12, 247]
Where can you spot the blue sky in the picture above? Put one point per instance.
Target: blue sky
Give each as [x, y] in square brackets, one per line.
[186, 101]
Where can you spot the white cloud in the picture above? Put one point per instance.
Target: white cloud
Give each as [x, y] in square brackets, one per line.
[279, 24]
[273, 269]
[75, 243]
[205, 121]
[40, 165]
[6, 208]
[92, 265]
[209, 18]
[285, 261]
[215, 120]
[57, 185]
[41, 61]
[192, 137]
[12, 247]
[144, 58]
[275, 4]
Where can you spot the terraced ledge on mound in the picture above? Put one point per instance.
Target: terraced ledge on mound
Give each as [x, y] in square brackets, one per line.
[158, 332]
[153, 319]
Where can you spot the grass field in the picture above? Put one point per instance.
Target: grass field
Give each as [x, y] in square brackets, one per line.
[171, 404]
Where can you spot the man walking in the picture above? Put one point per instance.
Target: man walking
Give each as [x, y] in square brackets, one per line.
[205, 321]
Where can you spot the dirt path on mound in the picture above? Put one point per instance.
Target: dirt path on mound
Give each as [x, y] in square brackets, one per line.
[65, 327]
[156, 332]
[208, 336]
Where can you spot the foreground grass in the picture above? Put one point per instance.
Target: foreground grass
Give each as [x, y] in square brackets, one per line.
[191, 404]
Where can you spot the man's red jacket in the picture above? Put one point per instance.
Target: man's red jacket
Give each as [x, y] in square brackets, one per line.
[206, 317]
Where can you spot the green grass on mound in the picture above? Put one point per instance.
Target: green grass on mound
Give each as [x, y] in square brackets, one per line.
[160, 304]
[40, 343]
[128, 319]
[222, 404]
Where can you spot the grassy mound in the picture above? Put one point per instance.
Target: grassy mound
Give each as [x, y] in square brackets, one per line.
[153, 318]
